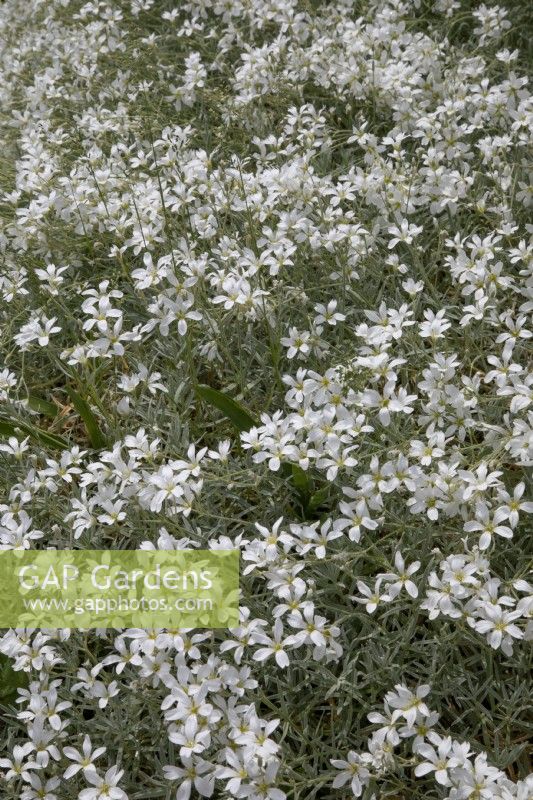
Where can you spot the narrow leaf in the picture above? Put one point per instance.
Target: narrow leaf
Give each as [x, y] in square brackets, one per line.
[13, 427]
[300, 479]
[318, 498]
[241, 418]
[45, 438]
[44, 407]
[7, 429]
[96, 437]
[10, 680]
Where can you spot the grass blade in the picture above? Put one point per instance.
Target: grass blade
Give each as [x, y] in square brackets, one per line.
[42, 406]
[10, 680]
[241, 418]
[96, 437]
[11, 427]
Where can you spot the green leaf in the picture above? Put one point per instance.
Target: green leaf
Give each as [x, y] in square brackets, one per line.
[44, 407]
[243, 421]
[7, 429]
[10, 680]
[45, 438]
[14, 427]
[318, 498]
[300, 479]
[96, 437]
[241, 418]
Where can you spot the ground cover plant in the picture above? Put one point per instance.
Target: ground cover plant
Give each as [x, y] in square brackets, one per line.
[267, 283]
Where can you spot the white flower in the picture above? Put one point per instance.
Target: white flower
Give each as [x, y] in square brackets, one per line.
[15, 448]
[40, 788]
[297, 343]
[413, 287]
[194, 772]
[38, 328]
[408, 704]
[84, 760]
[190, 737]
[440, 761]
[51, 277]
[275, 646]
[328, 314]
[103, 788]
[404, 233]
[489, 525]
[479, 481]
[497, 624]
[395, 582]
[514, 504]
[353, 772]
[105, 692]
[17, 766]
[434, 325]
[371, 598]
[357, 517]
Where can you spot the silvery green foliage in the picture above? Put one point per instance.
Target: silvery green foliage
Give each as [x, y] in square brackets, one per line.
[321, 209]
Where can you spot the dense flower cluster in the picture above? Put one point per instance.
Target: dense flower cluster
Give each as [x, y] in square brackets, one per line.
[320, 210]
[450, 763]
